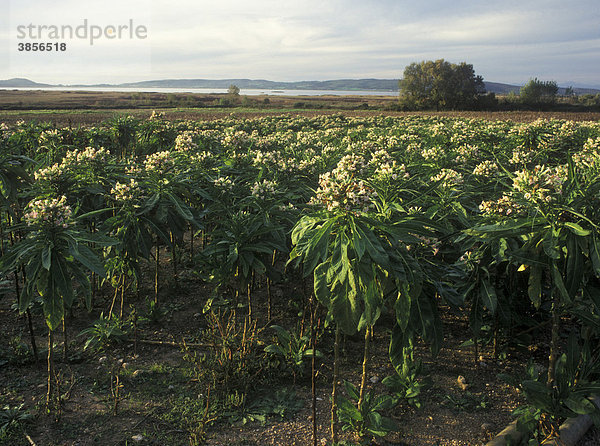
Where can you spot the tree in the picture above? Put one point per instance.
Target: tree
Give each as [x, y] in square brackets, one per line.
[440, 85]
[233, 90]
[536, 93]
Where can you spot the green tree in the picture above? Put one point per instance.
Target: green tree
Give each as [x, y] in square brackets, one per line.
[537, 93]
[441, 85]
[233, 90]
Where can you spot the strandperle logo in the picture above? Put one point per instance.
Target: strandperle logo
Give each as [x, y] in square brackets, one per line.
[83, 31]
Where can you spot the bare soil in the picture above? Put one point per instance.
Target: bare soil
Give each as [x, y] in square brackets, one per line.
[155, 384]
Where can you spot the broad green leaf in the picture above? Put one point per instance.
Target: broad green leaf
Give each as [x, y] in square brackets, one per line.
[321, 286]
[345, 305]
[534, 288]
[47, 256]
[62, 282]
[488, 296]
[559, 284]
[53, 310]
[580, 405]
[351, 390]
[595, 255]
[402, 306]
[87, 258]
[576, 229]
[398, 341]
[430, 321]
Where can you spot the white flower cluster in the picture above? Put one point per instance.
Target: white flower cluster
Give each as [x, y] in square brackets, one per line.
[505, 206]
[486, 168]
[466, 152]
[433, 153]
[156, 116]
[392, 170]
[203, 158]
[159, 162]
[87, 155]
[50, 173]
[48, 137]
[235, 140]
[521, 155]
[589, 156]
[264, 158]
[125, 192]
[341, 189]
[185, 141]
[448, 177]
[4, 131]
[542, 184]
[427, 243]
[263, 189]
[53, 212]
[379, 157]
[223, 183]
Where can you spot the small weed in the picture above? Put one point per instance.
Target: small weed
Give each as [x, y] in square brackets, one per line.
[12, 419]
[105, 331]
[366, 419]
[467, 402]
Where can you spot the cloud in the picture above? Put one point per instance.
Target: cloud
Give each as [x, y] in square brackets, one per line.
[289, 40]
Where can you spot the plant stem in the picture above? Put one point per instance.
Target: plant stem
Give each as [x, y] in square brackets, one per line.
[191, 243]
[249, 303]
[173, 255]
[336, 369]
[32, 336]
[365, 366]
[64, 330]
[555, 315]
[50, 372]
[313, 377]
[156, 267]
[123, 283]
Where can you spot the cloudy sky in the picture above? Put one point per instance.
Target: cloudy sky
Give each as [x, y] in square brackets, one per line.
[506, 41]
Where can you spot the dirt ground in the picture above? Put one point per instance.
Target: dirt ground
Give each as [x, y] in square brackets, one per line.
[157, 391]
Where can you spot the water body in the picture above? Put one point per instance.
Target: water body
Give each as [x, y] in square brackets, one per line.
[249, 92]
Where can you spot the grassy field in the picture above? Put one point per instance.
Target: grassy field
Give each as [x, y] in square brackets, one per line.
[84, 107]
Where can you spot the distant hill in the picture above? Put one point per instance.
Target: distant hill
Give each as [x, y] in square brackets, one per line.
[384, 85]
[262, 84]
[18, 82]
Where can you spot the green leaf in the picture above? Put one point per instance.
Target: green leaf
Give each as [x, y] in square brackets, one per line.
[488, 296]
[398, 341]
[580, 405]
[53, 310]
[182, 210]
[345, 407]
[62, 282]
[321, 286]
[538, 394]
[316, 247]
[351, 390]
[559, 284]
[402, 306]
[576, 229]
[87, 258]
[373, 246]
[595, 255]
[534, 288]
[47, 256]
[345, 306]
[431, 323]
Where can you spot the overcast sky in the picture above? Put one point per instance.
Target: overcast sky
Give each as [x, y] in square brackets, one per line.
[506, 41]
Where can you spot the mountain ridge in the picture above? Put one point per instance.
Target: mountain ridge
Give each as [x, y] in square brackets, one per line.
[368, 84]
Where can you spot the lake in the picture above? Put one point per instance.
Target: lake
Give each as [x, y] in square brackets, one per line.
[243, 91]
